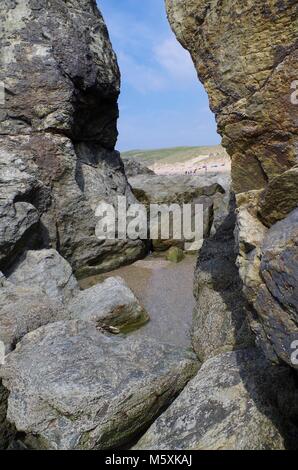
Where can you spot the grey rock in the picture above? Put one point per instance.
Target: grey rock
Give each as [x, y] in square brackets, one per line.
[154, 189]
[58, 128]
[23, 309]
[277, 299]
[48, 270]
[17, 224]
[228, 405]
[110, 303]
[220, 316]
[72, 387]
[133, 167]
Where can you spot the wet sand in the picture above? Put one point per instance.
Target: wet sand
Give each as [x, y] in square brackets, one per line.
[165, 290]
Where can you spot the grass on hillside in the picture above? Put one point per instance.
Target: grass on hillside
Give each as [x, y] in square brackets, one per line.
[173, 155]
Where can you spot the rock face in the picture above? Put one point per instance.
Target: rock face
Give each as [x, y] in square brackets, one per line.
[134, 168]
[58, 131]
[98, 394]
[48, 270]
[229, 405]
[247, 70]
[220, 316]
[23, 309]
[176, 189]
[110, 303]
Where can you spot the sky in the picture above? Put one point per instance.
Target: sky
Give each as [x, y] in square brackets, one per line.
[162, 103]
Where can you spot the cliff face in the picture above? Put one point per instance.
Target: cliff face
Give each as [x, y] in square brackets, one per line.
[58, 132]
[245, 52]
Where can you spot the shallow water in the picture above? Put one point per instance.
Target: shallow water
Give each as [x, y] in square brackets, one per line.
[166, 291]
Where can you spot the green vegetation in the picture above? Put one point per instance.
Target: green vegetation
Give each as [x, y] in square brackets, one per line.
[173, 155]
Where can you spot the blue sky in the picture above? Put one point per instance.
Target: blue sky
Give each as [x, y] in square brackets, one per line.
[162, 103]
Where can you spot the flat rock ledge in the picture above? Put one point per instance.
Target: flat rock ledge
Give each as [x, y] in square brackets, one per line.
[73, 387]
[226, 406]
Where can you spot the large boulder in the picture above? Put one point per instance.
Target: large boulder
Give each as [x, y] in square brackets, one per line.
[133, 167]
[176, 189]
[246, 56]
[110, 303]
[47, 270]
[229, 405]
[23, 309]
[59, 128]
[73, 387]
[220, 315]
[277, 299]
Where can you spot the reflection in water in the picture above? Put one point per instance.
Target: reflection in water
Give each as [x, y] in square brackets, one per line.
[165, 290]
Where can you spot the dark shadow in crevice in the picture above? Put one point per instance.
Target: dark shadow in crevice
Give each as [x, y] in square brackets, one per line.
[273, 387]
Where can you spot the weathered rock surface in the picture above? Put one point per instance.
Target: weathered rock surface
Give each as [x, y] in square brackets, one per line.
[72, 387]
[280, 197]
[229, 405]
[110, 303]
[277, 298]
[176, 189]
[154, 189]
[7, 431]
[59, 128]
[133, 168]
[23, 309]
[47, 270]
[220, 316]
[247, 70]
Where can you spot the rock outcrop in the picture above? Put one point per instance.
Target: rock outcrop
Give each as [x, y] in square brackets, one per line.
[72, 387]
[245, 53]
[47, 270]
[58, 132]
[229, 405]
[134, 168]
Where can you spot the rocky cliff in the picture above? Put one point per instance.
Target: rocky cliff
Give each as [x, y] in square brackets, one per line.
[246, 55]
[58, 133]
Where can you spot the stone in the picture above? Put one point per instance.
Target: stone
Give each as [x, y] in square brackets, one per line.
[220, 315]
[48, 270]
[59, 129]
[73, 387]
[277, 299]
[220, 209]
[110, 303]
[133, 167]
[280, 197]
[180, 189]
[175, 254]
[7, 431]
[17, 224]
[228, 405]
[247, 71]
[23, 309]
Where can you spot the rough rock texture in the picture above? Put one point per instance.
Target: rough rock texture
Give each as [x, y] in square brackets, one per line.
[99, 394]
[110, 303]
[246, 55]
[229, 405]
[176, 189]
[47, 270]
[280, 197]
[220, 316]
[23, 309]
[58, 129]
[133, 168]
[154, 189]
[7, 431]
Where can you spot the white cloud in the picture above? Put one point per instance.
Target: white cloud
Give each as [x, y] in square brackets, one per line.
[175, 60]
[141, 77]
